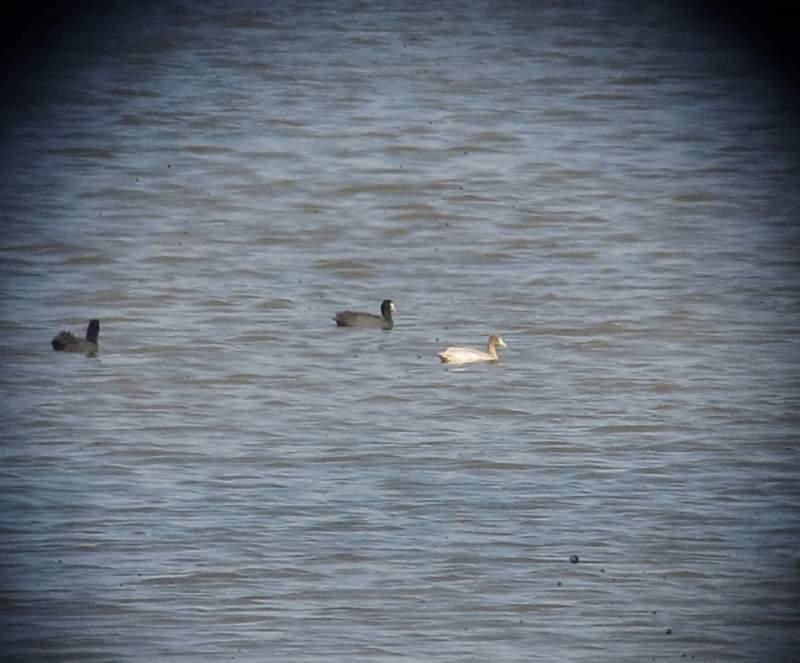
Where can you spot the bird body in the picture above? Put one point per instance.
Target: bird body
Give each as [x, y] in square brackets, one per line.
[459, 355]
[368, 320]
[66, 341]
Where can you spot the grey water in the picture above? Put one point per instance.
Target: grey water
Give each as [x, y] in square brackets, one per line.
[233, 477]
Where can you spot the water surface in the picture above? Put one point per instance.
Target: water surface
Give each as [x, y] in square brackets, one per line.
[233, 477]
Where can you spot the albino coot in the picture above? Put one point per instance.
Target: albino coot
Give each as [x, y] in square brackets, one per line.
[67, 342]
[469, 355]
[368, 320]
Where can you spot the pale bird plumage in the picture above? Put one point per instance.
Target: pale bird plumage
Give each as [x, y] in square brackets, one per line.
[459, 355]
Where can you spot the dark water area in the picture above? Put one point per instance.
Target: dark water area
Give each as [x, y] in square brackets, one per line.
[233, 477]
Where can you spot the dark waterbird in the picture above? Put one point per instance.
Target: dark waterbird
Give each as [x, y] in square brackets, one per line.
[368, 320]
[66, 341]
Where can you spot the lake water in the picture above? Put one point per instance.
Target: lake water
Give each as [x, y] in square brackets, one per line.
[233, 477]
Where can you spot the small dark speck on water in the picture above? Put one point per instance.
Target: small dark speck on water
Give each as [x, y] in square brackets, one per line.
[574, 559]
